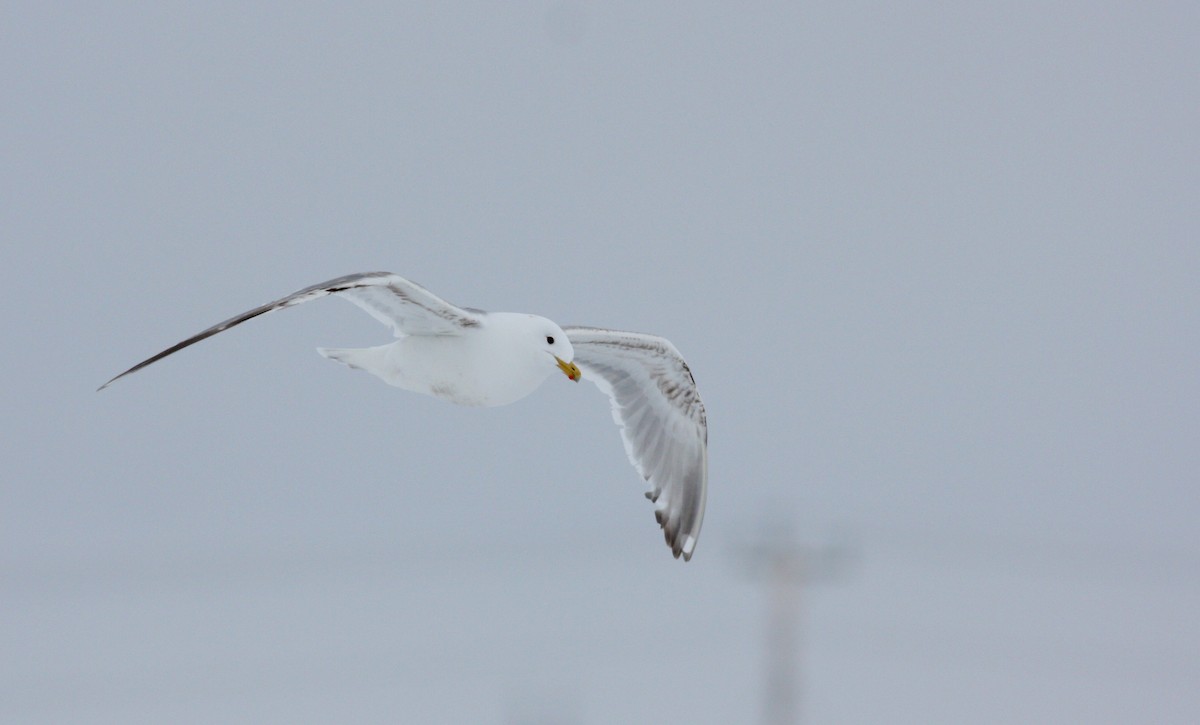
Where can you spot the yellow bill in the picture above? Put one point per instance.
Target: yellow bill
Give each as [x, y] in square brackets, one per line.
[571, 370]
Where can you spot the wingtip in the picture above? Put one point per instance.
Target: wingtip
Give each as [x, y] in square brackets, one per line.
[111, 381]
[689, 545]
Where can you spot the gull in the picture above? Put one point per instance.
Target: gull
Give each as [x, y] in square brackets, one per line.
[471, 357]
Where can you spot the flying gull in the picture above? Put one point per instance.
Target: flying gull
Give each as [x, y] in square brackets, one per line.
[471, 357]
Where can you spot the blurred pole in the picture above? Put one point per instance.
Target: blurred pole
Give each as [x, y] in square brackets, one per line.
[785, 582]
[786, 567]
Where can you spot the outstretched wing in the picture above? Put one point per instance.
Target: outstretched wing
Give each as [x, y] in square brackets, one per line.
[656, 404]
[406, 307]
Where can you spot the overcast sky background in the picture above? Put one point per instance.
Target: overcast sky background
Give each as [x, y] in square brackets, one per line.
[935, 269]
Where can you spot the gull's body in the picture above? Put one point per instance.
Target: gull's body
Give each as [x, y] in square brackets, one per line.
[472, 357]
[479, 368]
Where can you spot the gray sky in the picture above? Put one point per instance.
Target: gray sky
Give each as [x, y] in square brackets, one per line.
[935, 270]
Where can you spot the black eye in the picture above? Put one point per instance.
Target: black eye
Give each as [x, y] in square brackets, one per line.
[550, 339]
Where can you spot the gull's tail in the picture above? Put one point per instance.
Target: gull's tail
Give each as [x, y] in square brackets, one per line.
[372, 359]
